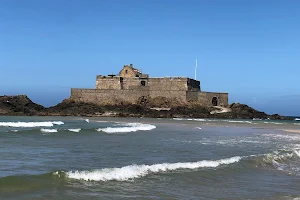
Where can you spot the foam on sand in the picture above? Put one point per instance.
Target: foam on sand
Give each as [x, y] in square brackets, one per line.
[136, 171]
[129, 127]
[31, 124]
[44, 130]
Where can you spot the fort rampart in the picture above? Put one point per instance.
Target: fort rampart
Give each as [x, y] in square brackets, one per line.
[131, 86]
[112, 96]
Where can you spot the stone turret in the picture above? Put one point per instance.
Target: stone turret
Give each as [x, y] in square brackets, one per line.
[129, 72]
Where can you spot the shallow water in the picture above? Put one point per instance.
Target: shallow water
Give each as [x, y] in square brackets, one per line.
[129, 158]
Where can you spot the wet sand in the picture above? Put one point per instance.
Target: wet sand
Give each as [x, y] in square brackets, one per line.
[291, 130]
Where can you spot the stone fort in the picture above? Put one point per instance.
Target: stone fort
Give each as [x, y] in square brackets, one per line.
[131, 85]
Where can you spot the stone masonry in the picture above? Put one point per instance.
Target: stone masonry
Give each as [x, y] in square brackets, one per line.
[131, 85]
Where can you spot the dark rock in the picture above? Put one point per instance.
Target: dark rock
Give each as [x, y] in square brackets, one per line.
[19, 105]
[71, 108]
[22, 105]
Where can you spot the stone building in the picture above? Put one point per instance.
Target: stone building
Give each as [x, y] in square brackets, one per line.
[131, 85]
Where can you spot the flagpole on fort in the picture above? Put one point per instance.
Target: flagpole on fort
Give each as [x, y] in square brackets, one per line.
[196, 69]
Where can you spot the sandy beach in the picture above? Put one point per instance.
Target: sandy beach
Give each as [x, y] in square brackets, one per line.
[291, 130]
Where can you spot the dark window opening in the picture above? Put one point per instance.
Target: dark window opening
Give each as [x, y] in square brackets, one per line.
[214, 101]
[126, 71]
[143, 83]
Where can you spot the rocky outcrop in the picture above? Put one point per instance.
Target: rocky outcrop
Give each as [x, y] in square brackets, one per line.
[19, 105]
[22, 105]
[71, 108]
[242, 111]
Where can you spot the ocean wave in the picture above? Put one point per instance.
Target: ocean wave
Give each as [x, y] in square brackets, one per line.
[236, 121]
[136, 171]
[75, 130]
[216, 120]
[273, 123]
[31, 124]
[294, 137]
[283, 160]
[44, 130]
[193, 119]
[297, 152]
[129, 127]
[254, 121]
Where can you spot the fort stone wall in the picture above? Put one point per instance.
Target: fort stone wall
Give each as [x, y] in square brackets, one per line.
[192, 96]
[107, 97]
[179, 95]
[168, 84]
[131, 85]
[213, 98]
[135, 83]
[108, 82]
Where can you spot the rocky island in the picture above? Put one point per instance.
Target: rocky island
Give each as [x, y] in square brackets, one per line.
[22, 105]
[134, 94]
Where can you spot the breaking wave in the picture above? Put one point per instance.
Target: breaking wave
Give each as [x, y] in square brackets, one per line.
[283, 160]
[31, 124]
[136, 171]
[193, 119]
[129, 127]
[214, 120]
[76, 130]
[44, 130]
[253, 121]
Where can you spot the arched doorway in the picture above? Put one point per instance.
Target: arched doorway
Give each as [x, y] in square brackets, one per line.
[214, 101]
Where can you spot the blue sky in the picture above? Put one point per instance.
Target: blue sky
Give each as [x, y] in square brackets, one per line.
[247, 48]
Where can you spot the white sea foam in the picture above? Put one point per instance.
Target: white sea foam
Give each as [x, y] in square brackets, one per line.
[297, 152]
[235, 121]
[178, 119]
[216, 120]
[87, 120]
[75, 130]
[284, 160]
[58, 123]
[294, 137]
[192, 119]
[44, 130]
[130, 127]
[272, 123]
[297, 119]
[136, 171]
[31, 124]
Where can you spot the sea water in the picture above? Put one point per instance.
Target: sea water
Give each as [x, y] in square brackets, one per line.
[135, 158]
